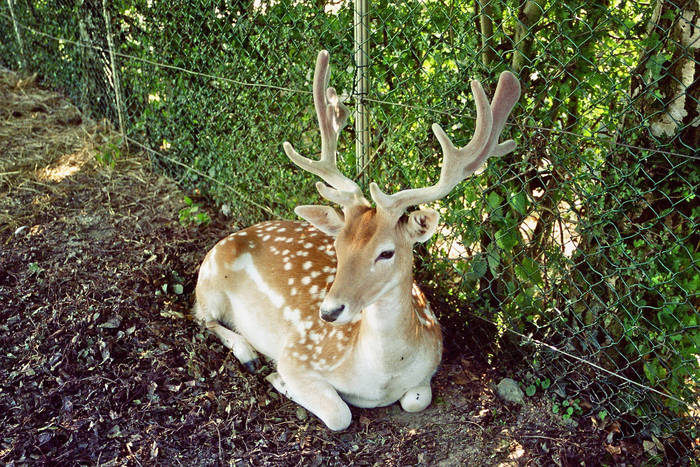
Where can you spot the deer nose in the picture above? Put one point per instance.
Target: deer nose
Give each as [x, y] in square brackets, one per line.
[331, 314]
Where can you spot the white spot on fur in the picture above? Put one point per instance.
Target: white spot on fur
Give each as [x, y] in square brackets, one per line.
[293, 315]
[307, 265]
[315, 337]
[306, 280]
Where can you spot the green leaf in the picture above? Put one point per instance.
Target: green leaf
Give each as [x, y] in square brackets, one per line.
[493, 200]
[529, 271]
[519, 203]
[493, 258]
[479, 267]
[650, 372]
[507, 239]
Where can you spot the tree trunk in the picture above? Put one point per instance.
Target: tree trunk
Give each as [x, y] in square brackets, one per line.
[530, 12]
[486, 13]
[665, 87]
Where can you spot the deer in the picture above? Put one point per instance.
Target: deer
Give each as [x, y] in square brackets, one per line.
[331, 299]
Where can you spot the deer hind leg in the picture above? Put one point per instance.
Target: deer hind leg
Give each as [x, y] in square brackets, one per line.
[315, 395]
[417, 399]
[238, 345]
[208, 311]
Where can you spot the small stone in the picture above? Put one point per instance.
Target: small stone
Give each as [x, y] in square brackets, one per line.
[509, 391]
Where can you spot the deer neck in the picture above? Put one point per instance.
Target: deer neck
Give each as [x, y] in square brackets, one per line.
[388, 325]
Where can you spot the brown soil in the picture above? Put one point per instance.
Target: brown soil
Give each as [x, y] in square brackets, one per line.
[102, 364]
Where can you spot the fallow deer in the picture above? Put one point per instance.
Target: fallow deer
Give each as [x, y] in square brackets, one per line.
[332, 300]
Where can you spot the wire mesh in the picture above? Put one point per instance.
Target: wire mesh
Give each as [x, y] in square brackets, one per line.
[579, 251]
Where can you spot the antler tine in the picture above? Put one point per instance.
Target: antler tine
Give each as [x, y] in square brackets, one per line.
[332, 116]
[459, 164]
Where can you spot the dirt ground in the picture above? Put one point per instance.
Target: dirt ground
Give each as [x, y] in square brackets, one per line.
[102, 364]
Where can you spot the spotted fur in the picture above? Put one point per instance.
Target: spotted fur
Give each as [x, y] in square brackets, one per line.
[260, 289]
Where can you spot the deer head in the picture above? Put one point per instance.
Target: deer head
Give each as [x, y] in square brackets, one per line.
[374, 245]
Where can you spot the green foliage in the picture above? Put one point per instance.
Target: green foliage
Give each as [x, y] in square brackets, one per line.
[35, 269]
[108, 154]
[602, 415]
[568, 408]
[542, 384]
[191, 214]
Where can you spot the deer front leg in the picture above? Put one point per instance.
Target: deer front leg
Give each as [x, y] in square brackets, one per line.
[315, 395]
[417, 399]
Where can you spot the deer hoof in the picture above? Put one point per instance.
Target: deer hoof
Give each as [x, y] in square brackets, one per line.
[253, 365]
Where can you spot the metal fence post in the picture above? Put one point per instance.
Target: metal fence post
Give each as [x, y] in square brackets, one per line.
[362, 134]
[22, 57]
[115, 73]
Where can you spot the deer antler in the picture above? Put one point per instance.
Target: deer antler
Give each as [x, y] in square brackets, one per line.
[458, 164]
[332, 116]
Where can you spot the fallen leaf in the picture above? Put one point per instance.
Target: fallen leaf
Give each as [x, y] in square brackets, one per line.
[649, 447]
[614, 450]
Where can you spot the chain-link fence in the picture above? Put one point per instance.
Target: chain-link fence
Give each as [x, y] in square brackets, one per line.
[579, 251]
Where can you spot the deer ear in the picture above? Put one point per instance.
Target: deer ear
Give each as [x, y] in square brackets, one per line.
[421, 225]
[324, 218]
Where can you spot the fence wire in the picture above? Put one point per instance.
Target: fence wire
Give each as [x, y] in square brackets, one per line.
[577, 254]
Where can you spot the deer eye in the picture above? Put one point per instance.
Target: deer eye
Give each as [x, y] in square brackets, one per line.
[387, 254]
